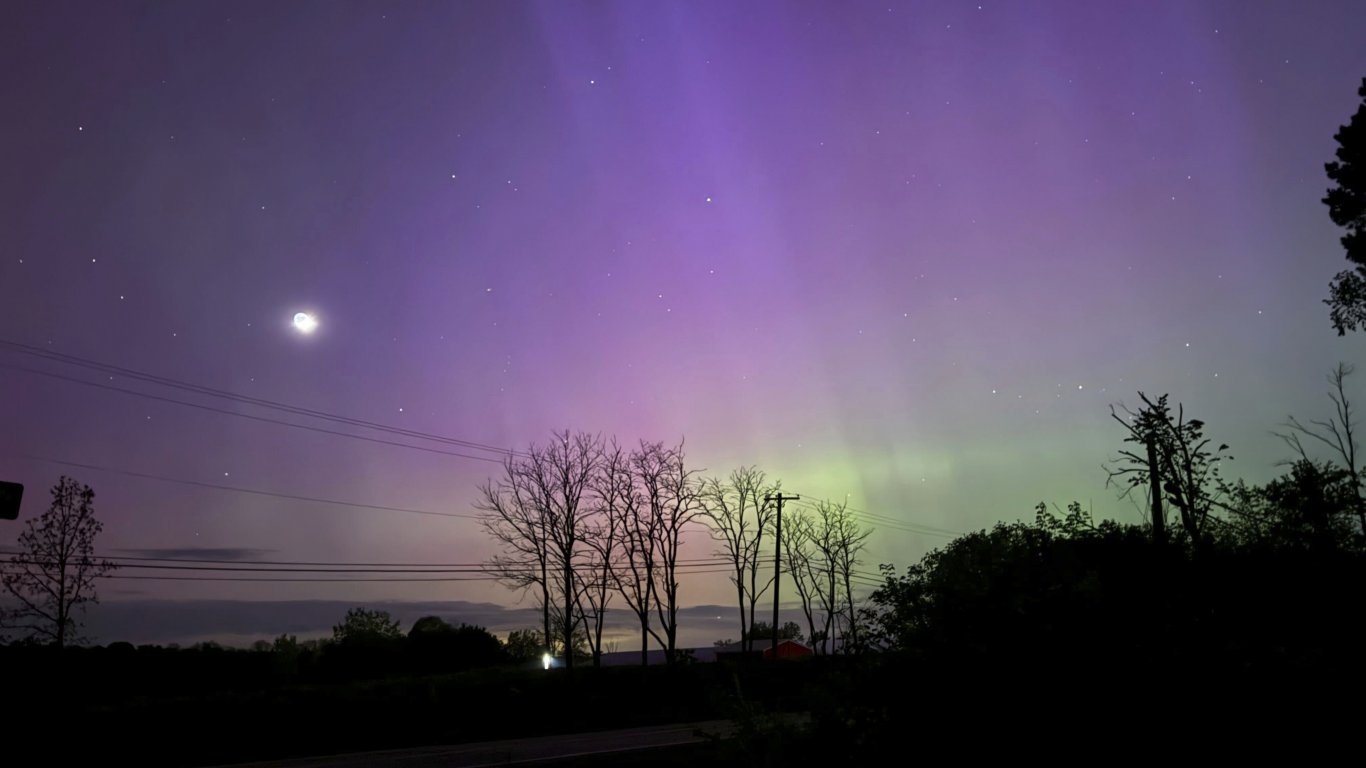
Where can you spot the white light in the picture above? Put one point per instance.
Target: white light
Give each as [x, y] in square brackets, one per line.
[545, 660]
[305, 322]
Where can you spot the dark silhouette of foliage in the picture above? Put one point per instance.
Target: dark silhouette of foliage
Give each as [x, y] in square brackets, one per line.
[436, 646]
[1338, 434]
[429, 626]
[1312, 507]
[365, 626]
[523, 645]
[1347, 207]
[52, 579]
[1013, 588]
[762, 630]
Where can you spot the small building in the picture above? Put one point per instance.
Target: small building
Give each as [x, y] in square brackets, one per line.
[763, 650]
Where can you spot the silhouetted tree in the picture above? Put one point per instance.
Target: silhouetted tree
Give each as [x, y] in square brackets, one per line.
[286, 651]
[540, 513]
[762, 630]
[1347, 207]
[812, 576]
[437, 646]
[1179, 456]
[638, 568]
[524, 645]
[562, 472]
[613, 491]
[429, 626]
[53, 576]
[1017, 587]
[472, 646]
[849, 540]
[1312, 507]
[670, 498]
[823, 547]
[519, 523]
[1338, 433]
[739, 519]
[366, 626]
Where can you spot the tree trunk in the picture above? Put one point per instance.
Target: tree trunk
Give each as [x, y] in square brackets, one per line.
[740, 594]
[568, 616]
[645, 642]
[1155, 490]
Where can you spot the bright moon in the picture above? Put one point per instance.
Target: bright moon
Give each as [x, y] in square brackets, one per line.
[305, 322]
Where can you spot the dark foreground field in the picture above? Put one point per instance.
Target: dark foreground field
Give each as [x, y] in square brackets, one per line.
[1066, 702]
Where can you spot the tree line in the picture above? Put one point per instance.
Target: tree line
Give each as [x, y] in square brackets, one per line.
[582, 522]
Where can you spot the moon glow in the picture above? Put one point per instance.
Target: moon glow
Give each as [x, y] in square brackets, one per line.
[305, 323]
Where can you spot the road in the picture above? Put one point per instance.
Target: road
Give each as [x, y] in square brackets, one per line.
[512, 752]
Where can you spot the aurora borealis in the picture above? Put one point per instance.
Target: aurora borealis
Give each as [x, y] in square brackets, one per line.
[908, 252]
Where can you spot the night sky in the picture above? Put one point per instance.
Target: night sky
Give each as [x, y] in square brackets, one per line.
[904, 252]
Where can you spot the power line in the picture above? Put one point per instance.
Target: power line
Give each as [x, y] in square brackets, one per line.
[60, 357]
[496, 573]
[885, 517]
[311, 579]
[682, 561]
[875, 517]
[252, 417]
[885, 521]
[253, 491]
[286, 581]
[892, 523]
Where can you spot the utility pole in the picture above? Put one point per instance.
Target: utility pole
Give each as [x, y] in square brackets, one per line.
[777, 560]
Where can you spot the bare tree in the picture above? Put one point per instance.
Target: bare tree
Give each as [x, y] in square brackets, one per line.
[53, 577]
[518, 522]
[670, 494]
[539, 514]
[739, 518]
[637, 568]
[823, 548]
[1338, 433]
[562, 472]
[848, 540]
[1177, 464]
[613, 493]
[807, 576]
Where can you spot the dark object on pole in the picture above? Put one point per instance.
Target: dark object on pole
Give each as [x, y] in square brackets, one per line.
[777, 560]
[10, 496]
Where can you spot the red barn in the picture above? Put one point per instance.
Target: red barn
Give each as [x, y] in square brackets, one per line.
[787, 649]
